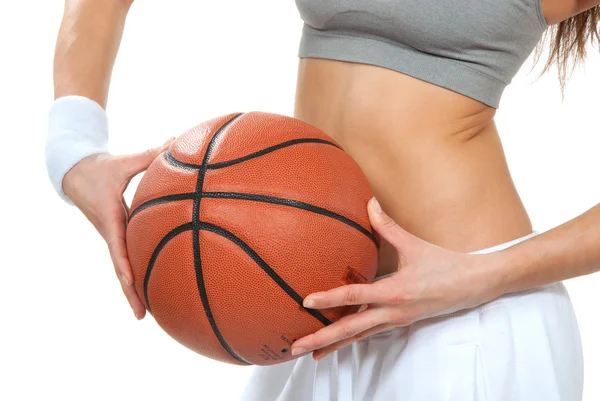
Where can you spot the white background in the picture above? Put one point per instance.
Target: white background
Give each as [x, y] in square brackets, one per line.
[66, 332]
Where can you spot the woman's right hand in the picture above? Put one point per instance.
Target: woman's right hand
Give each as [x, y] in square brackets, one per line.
[96, 185]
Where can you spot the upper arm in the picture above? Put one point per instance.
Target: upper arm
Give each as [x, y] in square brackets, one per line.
[556, 11]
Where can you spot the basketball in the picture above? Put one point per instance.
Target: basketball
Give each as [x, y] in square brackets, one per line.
[239, 220]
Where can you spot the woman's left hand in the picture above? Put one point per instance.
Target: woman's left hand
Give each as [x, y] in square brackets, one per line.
[430, 281]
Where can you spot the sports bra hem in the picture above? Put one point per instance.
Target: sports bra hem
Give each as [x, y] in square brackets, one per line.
[444, 72]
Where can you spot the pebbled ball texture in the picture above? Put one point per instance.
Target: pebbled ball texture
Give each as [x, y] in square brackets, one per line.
[239, 220]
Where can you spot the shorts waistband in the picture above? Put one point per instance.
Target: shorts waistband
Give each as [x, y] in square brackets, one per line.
[505, 245]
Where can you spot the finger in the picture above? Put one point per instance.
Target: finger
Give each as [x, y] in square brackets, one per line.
[351, 294]
[118, 251]
[131, 165]
[323, 352]
[346, 327]
[127, 211]
[387, 227]
[139, 310]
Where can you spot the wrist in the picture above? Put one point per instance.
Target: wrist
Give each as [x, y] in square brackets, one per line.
[501, 272]
[76, 177]
[77, 128]
[488, 275]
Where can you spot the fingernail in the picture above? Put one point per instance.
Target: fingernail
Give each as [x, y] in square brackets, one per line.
[309, 303]
[169, 141]
[376, 205]
[137, 316]
[298, 350]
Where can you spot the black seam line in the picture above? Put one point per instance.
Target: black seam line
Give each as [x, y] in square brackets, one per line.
[174, 162]
[162, 199]
[188, 166]
[213, 141]
[245, 247]
[196, 243]
[172, 234]
[258, 198]
[292, 142]
[292, 203]
[204, 295]
[263, 265]
[189, 226]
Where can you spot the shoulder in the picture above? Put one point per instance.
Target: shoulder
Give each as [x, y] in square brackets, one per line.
[556, 11]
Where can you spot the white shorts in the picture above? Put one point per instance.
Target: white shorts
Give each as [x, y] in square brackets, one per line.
[522, 346]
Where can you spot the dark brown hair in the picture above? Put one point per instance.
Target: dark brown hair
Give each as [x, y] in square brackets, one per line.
[569, 40]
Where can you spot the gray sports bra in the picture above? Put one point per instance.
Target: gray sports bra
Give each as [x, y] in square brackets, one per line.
[474, 47]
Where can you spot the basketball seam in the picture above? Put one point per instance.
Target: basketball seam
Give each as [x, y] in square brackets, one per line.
[177, 163]
[161, 200]
[265, 151]
[264, 266]
[215, 166]
[260, 198]
[245, 248]
[170, 235]
[292, 203]
[196, 243]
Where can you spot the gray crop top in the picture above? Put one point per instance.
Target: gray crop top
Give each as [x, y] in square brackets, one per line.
[473, 47]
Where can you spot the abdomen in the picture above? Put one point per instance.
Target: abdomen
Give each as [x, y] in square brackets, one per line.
[432, 156]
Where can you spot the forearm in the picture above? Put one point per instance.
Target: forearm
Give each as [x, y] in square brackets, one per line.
[567, 251]
[87, 46]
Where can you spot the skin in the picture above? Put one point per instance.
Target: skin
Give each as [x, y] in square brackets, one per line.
[430, 172]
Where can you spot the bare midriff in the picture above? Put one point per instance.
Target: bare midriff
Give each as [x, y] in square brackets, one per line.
[432, 156]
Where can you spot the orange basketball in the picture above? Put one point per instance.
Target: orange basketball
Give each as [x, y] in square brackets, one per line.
[239, 220]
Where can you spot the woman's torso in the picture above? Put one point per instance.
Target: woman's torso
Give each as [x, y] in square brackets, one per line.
[432, 156]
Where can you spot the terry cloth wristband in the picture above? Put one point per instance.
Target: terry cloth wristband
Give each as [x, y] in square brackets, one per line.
[78, 128]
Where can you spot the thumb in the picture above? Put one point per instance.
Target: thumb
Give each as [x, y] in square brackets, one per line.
[387, 227]
[134, 164]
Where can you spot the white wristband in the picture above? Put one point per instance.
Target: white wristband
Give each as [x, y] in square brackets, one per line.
[78, 128]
